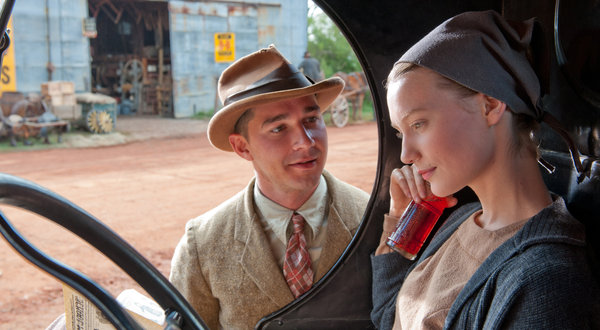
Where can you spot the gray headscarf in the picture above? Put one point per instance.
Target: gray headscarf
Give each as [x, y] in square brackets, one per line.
[486, 53]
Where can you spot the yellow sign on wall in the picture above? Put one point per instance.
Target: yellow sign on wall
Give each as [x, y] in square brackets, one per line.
[8, 76]
[224, 47]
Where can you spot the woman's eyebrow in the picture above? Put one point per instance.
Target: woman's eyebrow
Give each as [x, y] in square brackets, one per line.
[411, 112]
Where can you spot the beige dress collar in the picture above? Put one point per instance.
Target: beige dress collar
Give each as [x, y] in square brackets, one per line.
[277, 218]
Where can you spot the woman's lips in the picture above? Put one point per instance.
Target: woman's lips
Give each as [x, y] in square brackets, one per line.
[426, 174]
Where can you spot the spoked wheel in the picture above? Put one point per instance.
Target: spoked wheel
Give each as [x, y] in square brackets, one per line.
[339, 111]
[99, 121]
[26, 109]
[132, 72]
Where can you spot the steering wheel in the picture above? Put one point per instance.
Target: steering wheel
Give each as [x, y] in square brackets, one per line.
[32, 197]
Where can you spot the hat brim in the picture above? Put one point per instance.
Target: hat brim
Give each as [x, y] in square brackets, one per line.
[222, 124]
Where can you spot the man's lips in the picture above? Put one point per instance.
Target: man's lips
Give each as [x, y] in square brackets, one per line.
[305, 163]
[427, 173]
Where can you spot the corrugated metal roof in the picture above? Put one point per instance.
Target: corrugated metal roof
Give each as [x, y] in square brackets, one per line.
[255, 25]
[57, 38]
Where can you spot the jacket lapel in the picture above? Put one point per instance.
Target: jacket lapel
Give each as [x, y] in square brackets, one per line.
[338, 238]
[256, 258]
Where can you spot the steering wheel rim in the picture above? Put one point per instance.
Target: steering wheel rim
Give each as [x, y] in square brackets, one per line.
[27, 195]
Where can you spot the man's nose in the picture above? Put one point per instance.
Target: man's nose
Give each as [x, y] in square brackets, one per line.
[303, 137]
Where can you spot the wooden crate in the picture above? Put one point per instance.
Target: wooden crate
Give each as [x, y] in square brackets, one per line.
[67, 112]
[67, 87]
[58, 88]
[61, 99]
[51, 88]
[69, 99]
[53, 100]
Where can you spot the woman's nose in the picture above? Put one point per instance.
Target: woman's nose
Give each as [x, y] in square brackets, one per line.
[408, 153]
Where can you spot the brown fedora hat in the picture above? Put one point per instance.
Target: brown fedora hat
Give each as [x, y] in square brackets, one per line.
[259, 78]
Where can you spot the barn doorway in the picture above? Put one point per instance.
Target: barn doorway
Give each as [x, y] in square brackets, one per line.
[131, 57]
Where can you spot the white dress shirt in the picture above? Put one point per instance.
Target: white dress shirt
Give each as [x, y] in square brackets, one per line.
[276, 222]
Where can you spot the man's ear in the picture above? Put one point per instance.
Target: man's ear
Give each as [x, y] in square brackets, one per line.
[493, 109]
[239, 144]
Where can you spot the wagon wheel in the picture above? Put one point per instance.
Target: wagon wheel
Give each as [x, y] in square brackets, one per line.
[339, 111]
[132, 72]
[26, 109]
[3, 126]
[99, 121]
[132, 75]
[14, 126]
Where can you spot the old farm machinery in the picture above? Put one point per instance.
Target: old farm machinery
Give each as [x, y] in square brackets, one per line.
[28, 117]
[353, 96]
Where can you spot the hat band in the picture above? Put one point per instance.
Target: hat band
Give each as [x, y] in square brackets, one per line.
[283, 78]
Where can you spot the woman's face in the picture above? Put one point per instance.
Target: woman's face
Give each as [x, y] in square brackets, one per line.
[444, 135]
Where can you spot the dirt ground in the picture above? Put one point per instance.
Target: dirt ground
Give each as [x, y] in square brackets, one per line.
[145, 182]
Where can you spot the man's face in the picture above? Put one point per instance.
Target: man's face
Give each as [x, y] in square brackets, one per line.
[287, 144]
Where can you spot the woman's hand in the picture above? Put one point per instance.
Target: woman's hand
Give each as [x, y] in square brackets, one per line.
[406, 184]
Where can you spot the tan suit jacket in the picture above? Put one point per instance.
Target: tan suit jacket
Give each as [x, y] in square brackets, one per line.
[224, 267]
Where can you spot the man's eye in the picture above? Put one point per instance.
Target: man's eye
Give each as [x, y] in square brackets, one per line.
[312, 119]
[277, 129]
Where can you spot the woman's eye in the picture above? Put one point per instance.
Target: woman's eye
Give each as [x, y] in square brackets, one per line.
[417, 125]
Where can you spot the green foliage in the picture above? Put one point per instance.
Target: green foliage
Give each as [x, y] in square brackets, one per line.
[368, 112]
[327, 44]
[37, 143]
[203, 115]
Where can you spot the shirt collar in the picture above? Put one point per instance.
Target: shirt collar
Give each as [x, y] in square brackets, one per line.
[276, 218]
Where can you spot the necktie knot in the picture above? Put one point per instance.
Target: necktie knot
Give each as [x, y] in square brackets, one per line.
[297, 265]
[298, 222]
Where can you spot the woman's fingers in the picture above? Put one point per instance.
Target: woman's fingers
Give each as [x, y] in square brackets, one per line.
[451, 201]
[399, 193]
[405, 185]
[422, 187]
[411, 183]
[398, 183]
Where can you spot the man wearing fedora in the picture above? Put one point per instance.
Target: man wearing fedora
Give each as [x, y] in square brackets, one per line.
[268, 244]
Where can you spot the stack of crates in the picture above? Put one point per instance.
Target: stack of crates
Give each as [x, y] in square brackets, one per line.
[60, 97]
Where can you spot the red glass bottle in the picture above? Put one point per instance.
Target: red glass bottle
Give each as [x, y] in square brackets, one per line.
[415, 225]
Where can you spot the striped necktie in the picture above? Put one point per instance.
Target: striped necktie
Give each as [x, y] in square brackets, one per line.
[297, 266]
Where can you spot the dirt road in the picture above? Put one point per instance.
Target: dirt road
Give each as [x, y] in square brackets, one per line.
[145, 191]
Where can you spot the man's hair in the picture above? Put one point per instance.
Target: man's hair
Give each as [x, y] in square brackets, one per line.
[241, 126]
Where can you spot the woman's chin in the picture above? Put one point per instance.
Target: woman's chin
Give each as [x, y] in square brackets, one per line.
[442, 191]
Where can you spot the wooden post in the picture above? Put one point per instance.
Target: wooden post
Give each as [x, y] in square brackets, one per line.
[217, 101]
